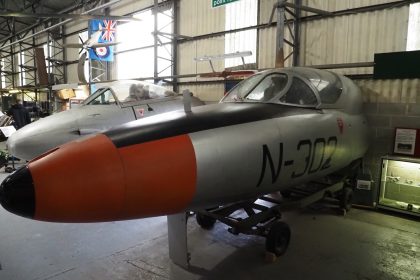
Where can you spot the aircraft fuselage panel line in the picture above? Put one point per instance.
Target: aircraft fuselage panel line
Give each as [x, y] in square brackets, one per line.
[208, 117]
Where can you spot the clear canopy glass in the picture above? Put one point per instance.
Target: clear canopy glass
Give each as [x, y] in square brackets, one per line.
[127, 92]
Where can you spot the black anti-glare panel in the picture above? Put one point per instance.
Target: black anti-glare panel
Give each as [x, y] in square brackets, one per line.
[397, 65]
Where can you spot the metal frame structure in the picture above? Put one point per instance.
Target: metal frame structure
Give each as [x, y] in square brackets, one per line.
[7, 69]
[27, 68]
[158, 35]
[55, 58]
[13, 38]
[17, 39]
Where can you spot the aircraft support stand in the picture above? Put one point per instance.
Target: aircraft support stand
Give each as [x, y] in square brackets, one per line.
[177, 239]
[261, 217]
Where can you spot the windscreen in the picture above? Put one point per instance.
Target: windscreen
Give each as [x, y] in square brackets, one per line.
[128, 92]
[327, 83]
[299, 93]
[257, 88]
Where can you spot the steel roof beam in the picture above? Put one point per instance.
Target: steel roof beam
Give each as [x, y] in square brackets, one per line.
[66, 16]
[59, 24]
[66, 10]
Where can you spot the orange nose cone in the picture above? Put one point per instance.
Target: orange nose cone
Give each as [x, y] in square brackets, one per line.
[82, 181]
[91, 180]
[161, 176]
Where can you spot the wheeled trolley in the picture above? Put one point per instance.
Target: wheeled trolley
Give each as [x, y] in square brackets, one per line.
[261, 217]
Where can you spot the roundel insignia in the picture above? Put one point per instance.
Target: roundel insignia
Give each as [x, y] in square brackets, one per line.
[102, 52]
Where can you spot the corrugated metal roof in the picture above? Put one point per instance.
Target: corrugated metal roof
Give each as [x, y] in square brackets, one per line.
[266, 7]
[353, 38]
[341, 39]
[198, 18]
[190, 50]
[267, 48]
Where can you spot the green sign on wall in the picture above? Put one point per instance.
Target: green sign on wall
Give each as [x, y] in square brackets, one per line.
[218, 3]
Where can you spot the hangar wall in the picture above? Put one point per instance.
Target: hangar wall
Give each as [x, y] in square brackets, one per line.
[354, 38]
[339, 39]
[388, 104]
[198, 18]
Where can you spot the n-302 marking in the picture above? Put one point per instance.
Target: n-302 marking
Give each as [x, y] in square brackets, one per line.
[326, 148]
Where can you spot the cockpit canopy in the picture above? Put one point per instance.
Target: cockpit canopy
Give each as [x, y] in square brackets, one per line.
[303, 87]
[127, 92]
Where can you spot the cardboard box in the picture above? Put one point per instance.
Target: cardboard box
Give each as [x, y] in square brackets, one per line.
[65, 93]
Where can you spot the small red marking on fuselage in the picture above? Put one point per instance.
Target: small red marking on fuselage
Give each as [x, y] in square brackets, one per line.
[340, 124]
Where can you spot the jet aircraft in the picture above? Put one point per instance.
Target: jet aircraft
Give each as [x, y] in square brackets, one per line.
[277, 129]
[110, 105]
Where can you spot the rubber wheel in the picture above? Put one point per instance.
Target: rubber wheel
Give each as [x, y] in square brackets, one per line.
[205, 221]
[278, 238]
[346, 199]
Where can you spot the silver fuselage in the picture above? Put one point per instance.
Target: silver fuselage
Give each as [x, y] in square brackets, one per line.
[57, 129]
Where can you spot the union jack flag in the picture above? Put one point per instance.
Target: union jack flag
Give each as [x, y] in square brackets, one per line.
[108, 28]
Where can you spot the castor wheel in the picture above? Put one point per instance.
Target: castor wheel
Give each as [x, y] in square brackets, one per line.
[9, 169]
[346, 199]
[205, 221]
[278, 239]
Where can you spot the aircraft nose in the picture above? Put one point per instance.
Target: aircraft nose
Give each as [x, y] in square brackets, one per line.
[17, 193]
[38, 137]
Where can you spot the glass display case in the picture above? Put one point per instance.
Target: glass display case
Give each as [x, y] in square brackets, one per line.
[400, 185]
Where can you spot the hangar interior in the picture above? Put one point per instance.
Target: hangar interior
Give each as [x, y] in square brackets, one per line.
[199, 45]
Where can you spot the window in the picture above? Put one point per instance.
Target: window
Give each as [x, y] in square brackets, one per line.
[258, 89]
[105, 98]
[241, 14]
[135, 53]
[271, 86]
[413, 34]
[329, 87]
[126, 92]
[241, 90]
[135, 64]
[3, 75]
[22, 73]
[48, 54]
[299, 93]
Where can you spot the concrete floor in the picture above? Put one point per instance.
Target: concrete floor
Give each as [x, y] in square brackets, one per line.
[361, 245]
